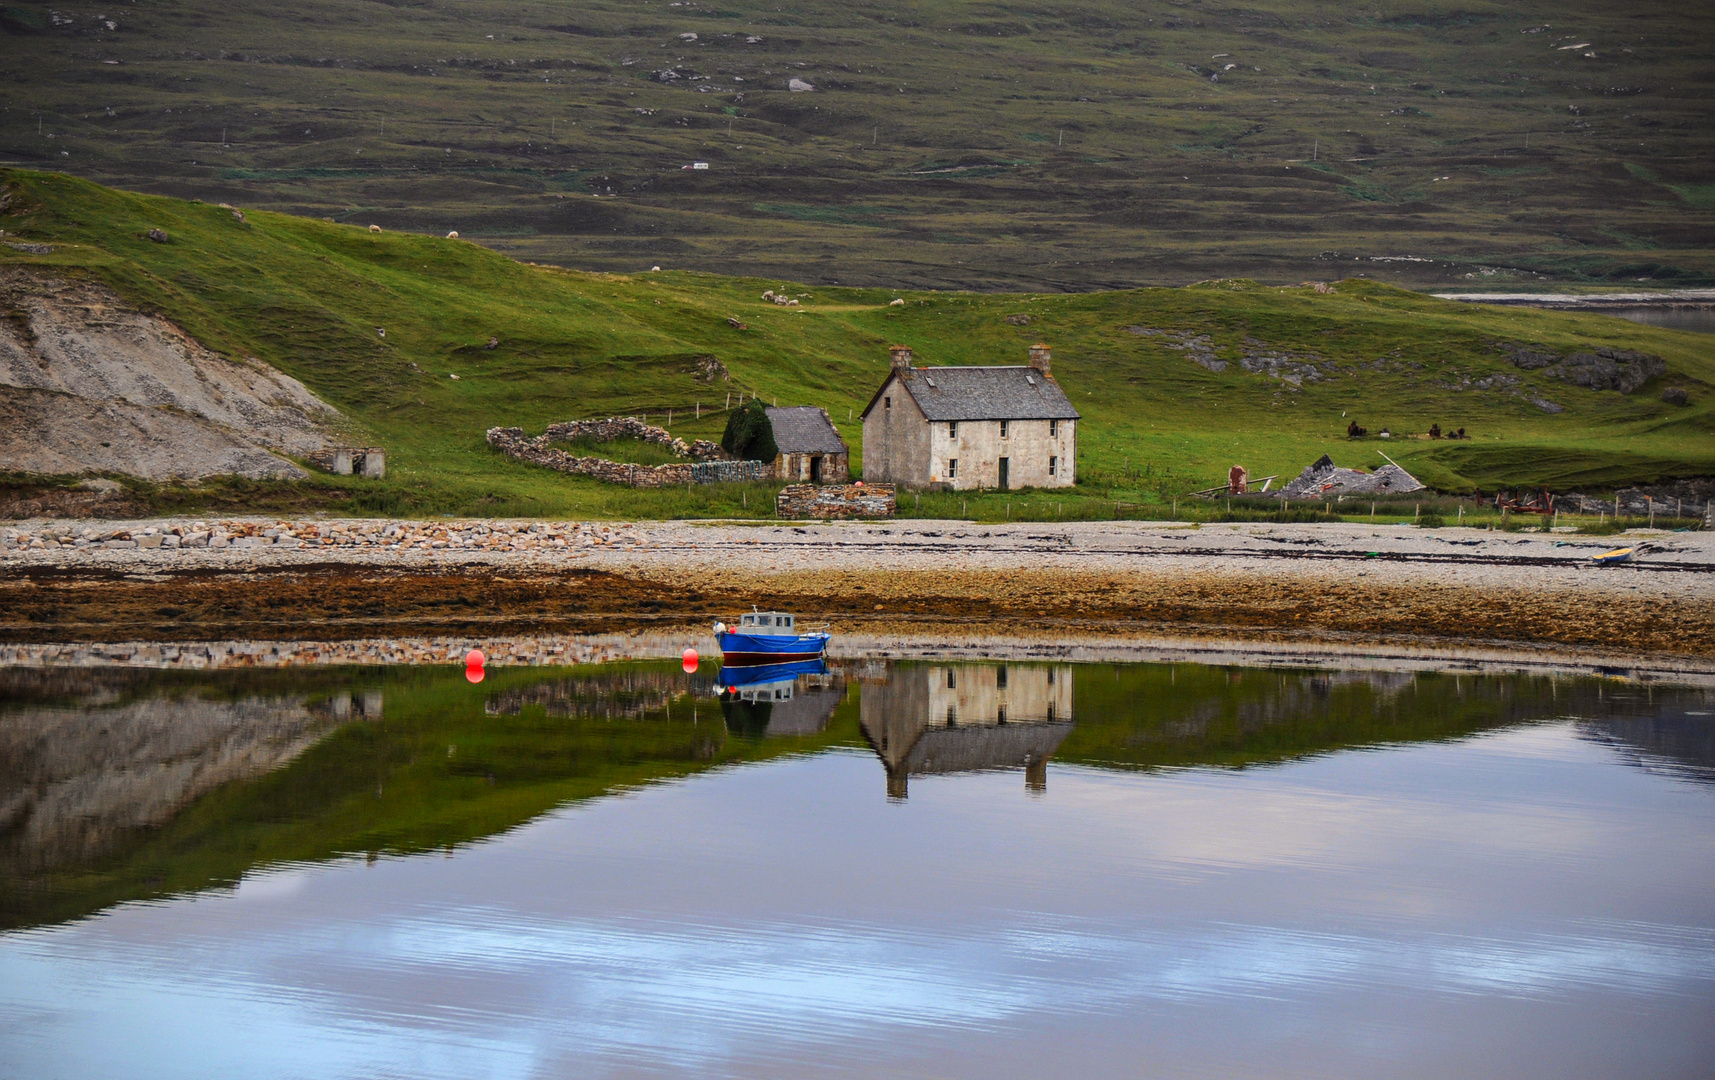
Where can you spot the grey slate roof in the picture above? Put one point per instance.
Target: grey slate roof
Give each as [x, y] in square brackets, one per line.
[986, 393]
[805, 429]
[1325, 478]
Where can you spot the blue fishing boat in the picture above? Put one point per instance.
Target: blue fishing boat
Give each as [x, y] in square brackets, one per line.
[768, 637]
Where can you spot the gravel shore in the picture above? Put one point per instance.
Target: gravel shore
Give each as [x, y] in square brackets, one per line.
[79, 580]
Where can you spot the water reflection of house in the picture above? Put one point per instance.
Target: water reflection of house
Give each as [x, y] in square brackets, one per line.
[945, 718]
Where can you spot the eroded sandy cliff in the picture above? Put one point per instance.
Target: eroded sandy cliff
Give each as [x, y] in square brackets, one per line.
[90, 384]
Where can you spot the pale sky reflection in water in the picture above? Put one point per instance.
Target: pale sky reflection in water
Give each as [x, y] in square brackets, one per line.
[1520, 903]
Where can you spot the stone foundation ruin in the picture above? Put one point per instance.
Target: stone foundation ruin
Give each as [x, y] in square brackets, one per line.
[369, 462]
[836, 501]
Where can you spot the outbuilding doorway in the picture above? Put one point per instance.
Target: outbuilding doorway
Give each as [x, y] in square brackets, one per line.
[815, 468]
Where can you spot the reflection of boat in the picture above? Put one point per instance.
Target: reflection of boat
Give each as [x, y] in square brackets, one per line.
[768, 637]
[764, 674]
[947, 718]
[779, 699]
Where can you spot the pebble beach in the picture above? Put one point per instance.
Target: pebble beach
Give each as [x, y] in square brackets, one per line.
[1333, 581]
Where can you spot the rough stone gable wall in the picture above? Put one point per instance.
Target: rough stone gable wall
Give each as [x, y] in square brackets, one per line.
[896, 443]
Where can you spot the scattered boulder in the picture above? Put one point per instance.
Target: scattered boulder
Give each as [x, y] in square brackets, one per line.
[1676, 395]
[159, 236]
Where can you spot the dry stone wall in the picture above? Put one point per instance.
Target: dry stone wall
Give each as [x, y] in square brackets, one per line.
[705, 468]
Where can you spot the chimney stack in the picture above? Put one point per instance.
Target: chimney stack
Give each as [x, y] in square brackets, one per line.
[1039, 357]
[901, 357]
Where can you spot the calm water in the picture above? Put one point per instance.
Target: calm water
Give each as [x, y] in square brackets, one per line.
[1700, 319]
[891, 870]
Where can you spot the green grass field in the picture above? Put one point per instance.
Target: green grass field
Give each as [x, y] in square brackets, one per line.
[993, 145]
[309, 297]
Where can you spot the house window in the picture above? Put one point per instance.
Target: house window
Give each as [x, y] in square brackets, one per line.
[887, 403]
[1003, 429]
[952, 468]
[1053, 429]
[952, 429]
[1053, 464]
[1000, 678]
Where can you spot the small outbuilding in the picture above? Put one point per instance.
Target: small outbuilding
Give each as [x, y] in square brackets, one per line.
[810, 447]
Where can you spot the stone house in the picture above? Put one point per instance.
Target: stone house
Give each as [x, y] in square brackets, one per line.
[811, 449]
[959, 428]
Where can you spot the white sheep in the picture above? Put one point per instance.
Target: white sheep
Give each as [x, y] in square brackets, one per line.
[454, 235]
[375, 228]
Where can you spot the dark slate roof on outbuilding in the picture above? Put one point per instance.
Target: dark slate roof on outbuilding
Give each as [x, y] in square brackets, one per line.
[985, 393]
[805, 429]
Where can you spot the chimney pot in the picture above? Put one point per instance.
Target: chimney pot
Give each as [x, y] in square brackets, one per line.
[1039, 357]
[901, 357]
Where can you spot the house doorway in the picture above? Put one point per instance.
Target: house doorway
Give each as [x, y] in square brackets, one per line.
[1005, 469]
[815, 468]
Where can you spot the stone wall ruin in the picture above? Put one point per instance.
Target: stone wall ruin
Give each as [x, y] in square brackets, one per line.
[836, 501]
[707, 464]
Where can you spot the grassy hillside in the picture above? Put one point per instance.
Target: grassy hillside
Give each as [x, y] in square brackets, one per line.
[311, 298]
[1102, 143]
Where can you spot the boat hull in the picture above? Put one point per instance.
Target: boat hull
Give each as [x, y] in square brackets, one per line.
[741, 650]
[734, 676]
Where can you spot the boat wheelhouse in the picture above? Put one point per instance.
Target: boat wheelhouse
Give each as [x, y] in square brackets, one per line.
[769, 637]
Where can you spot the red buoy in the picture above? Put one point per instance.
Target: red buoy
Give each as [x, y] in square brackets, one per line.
[474, 658]
[690, 659]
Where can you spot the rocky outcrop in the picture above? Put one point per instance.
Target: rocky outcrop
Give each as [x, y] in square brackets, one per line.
[90, 384]
[1603, 368]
